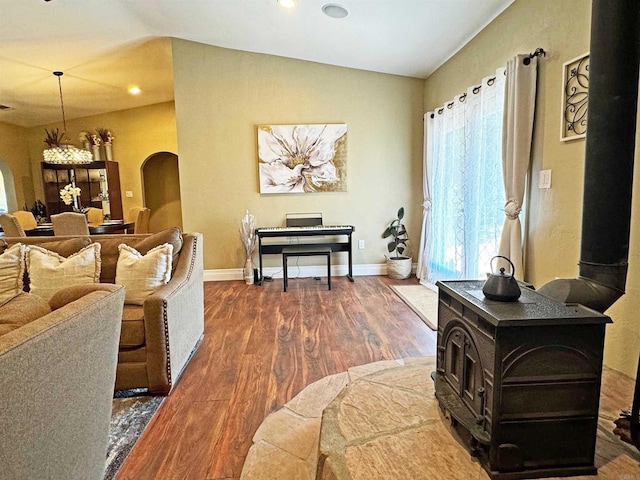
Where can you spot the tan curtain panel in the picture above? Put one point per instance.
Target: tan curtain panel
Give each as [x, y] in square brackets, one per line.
[517, 129]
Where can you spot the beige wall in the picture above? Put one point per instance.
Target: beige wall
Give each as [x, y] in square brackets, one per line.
[222, 95]
[139, 133]
[14, 162]
[562, 28]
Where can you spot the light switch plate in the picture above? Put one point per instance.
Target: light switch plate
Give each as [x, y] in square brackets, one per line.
[128, 194]
[544, 180]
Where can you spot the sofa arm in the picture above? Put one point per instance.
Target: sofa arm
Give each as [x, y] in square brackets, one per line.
[75, 292]
[174, 317]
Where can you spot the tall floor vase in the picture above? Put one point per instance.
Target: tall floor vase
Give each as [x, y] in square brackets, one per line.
[248, 271]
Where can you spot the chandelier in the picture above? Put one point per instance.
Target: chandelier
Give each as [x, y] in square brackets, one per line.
[65, 152]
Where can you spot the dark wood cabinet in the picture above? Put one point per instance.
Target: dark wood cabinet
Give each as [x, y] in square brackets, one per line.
[99, 184]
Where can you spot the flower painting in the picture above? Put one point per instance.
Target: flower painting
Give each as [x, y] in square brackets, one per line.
[302, 158]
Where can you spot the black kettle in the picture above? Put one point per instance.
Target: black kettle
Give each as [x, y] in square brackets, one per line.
[500, 286]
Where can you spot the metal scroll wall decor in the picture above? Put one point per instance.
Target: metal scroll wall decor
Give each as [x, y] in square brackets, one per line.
[575, 98]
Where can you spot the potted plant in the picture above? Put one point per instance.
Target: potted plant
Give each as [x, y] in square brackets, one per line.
[53, 138]
[107, 139]
[70, 195]
[398, 263]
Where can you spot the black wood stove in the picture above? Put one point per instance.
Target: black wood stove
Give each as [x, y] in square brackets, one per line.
[520, 380]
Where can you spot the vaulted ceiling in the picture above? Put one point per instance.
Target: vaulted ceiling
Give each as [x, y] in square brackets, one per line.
[105, 46]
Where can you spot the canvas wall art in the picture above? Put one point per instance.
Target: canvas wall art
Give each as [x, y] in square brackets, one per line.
[302, 158]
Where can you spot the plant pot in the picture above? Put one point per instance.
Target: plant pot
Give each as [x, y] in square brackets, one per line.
[108, 152]
[95, 149]
[399, 267]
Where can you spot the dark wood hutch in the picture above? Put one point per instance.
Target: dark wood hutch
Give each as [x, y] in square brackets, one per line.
[99, 184]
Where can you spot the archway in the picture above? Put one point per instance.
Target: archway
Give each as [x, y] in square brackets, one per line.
[161, 184]
[8, 202]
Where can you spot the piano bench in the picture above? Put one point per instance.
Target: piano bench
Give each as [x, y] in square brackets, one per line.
[305, 252]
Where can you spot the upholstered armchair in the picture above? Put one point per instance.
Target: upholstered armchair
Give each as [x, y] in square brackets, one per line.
[140, 215]
[56, 386]
[10, 226]
[95, 216]
[26, 219]
[70, 223]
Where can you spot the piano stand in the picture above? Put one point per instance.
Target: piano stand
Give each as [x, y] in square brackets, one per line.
[305, 252]
[341, 244]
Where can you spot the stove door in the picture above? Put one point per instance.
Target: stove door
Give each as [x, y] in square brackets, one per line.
[463, 370]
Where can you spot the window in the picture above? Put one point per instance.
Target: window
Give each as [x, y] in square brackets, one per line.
[464, 170]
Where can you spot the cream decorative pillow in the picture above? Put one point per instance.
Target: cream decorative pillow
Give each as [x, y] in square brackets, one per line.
[50, 272]
[11, 271]
[141, 275]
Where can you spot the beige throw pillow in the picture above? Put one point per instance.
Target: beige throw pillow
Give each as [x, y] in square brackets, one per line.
[141, 275]
[50, 272]
[11, 271]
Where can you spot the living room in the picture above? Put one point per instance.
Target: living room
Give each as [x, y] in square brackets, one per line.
[221, 95]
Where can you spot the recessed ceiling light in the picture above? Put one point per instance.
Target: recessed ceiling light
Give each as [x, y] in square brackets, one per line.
[134, 90]
[287, 3]
[334, 10]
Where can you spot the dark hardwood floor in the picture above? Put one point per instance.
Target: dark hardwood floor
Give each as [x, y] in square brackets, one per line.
[260, 348]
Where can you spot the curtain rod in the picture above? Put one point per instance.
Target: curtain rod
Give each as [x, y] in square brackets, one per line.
[462, 97]
[539, 52]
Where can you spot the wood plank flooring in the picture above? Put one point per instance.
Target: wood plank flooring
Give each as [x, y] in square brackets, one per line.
[261, 347]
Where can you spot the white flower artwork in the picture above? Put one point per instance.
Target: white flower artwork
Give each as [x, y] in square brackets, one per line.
[302, 158]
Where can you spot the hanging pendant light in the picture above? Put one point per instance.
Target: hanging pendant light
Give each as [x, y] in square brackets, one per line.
[59, 152]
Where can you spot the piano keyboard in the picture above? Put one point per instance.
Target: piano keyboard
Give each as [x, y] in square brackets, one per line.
[327, 228]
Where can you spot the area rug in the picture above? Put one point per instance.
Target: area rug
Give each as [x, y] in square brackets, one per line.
[422, 300]
[131, 412]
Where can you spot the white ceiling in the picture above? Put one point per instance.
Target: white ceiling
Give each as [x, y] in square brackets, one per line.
[103, 46]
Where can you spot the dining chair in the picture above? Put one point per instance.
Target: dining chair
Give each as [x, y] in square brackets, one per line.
[132, 214]
[26, 219]
[10, 226]
[70, 223]
[140, 215]
[95, 216]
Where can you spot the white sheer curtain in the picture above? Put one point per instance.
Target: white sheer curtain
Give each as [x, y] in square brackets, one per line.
[520, 99]
[463, 183]
[422, 270]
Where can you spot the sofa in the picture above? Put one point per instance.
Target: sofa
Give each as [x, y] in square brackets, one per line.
[161, 331]
[57, 371]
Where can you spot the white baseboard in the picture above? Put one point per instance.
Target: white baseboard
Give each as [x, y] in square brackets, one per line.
[217, 275]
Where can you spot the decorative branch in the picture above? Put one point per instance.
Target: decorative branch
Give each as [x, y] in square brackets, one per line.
[53, 138]
[248, 233]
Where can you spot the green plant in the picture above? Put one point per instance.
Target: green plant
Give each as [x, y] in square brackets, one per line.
[53, 138]
[398, 233]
